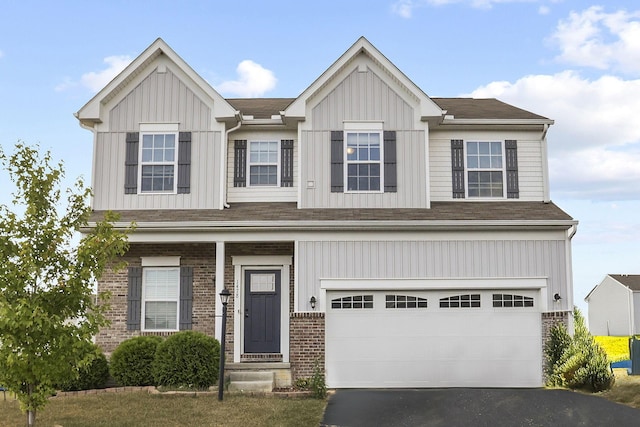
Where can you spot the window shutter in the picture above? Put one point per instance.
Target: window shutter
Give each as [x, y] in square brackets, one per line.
[240, 163]
[457, 168]
[134, 298]
[337, 161]
[390, 169]
[511, 155]
[186, 297]
[131, 163]
[184, 162]
[286, 163]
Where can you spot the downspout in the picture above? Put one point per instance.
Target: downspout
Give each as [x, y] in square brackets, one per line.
[223, 162]
[545, 164]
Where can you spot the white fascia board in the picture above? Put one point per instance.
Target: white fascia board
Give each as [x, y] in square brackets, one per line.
[434, 283]
[495, 122]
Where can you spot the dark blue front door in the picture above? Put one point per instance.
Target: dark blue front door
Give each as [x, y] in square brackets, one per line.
[262, 311]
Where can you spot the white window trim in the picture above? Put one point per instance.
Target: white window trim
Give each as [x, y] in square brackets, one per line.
[360, 128]
[158, 129]
[278, 164]
[145, 269]
[467, 170]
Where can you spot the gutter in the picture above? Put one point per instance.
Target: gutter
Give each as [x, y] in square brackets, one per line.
[223, 162]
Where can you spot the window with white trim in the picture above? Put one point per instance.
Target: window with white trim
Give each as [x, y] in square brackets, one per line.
[364, 164]
[158, 163]
[485, 169]
[264, 163]
[161, 297]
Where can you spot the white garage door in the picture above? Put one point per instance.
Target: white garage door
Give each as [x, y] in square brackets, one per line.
[433, 339]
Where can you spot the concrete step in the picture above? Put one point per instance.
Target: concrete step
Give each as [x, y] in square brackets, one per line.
[252, 386]
[252, 381]
[240, 376]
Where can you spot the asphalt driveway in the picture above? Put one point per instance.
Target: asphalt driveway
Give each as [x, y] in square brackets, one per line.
[474, 407]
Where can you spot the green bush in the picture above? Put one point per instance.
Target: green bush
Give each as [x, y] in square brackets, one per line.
[317, 383]
[132, 360]
[558, 342]
[583, 364]
[187, 359]
[90, 375]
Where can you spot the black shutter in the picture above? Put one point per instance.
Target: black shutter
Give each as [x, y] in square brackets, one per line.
[131, 163]
[186, 297]
[511, 155]
[240, 163]
[390, 169]
[286, 163]
[134, 298]
[457, 168]
[337, 161]
[184, 162]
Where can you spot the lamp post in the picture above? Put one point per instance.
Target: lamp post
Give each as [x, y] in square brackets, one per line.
[224, 298]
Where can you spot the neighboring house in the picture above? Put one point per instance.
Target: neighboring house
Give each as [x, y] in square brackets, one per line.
[614, 306]
[396, 239]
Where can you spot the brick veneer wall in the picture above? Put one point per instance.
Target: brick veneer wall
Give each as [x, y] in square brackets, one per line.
[199, 256]
[306, 343]
[548, 320]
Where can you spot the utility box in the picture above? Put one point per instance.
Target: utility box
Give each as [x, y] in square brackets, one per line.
[634, 352]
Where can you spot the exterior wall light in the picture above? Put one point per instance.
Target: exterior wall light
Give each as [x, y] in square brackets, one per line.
[557, 297]
[312, 301]
[224, 298]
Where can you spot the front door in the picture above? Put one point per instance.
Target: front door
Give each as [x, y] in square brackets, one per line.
[262, 311]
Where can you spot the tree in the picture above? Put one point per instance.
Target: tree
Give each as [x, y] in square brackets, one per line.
[48, 310]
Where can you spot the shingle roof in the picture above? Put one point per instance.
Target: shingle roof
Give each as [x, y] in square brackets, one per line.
[439, 211]
[460, 108]
[632, 281]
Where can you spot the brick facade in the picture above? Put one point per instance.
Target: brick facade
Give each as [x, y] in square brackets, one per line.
[548, 320]
[306, 343]
[199, 256]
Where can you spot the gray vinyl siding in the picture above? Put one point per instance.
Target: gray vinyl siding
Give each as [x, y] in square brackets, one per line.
[530, 168]
[431, 259]
[161, 97]
[109, 175]
[411, 174]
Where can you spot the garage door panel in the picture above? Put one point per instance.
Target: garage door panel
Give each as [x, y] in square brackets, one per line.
[387, 346]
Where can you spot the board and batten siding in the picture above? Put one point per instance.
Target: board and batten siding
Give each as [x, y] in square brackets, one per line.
[315, 175]
[261, 194]
[109, 175]
[530, 167]
[439, 259]
[161, 97]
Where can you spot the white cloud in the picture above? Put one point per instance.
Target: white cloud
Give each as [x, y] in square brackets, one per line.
[95, 81]
[404, 8]
[594, 145]
[544, 10]
[600, 40]
[253, 81]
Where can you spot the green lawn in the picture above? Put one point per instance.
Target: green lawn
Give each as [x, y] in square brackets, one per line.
[143, 409]
[617, 348]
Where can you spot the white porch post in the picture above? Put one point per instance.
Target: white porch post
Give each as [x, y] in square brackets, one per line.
[219, 286]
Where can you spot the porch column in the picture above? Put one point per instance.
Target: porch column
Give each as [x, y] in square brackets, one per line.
[219, 286]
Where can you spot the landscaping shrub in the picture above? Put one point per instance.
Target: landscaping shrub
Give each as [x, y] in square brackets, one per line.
[583, 364]
[317, 382]
[91, 375]
[187, 359]
[558, 342]
[132, 360]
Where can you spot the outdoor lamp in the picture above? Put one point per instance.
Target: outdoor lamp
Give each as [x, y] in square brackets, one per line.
[557, 297]
[312, 301]
[224, 298]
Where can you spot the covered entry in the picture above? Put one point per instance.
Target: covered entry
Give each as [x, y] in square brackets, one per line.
[433, 338]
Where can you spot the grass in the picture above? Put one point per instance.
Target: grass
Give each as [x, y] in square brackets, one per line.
[617, 348]
[626, 390]
[143, 409]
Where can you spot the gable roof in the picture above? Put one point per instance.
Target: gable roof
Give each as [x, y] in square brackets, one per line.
[92, 111]
[631, 281]
[484, 108]
[260, 108]
[428, 108]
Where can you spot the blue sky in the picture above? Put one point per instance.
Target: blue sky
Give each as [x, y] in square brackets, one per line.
[577, 62]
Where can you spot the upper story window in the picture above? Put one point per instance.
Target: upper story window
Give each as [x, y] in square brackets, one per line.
[364, 161]
[263, 163]
[485, 169]
[158, 163]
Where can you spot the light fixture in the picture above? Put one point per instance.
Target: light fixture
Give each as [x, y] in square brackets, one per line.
[224, 298]
[557, 297]
[312, 301]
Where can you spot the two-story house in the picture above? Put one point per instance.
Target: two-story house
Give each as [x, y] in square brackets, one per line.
[397, 239]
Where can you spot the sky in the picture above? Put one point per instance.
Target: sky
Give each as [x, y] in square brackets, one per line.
[574, 61]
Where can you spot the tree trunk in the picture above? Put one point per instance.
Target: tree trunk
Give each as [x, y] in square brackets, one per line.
[31, 418]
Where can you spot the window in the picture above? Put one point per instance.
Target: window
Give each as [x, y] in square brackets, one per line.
[509, 300]
[161, 293]
[364, 161]
[405, 301]
[485, 172]
[356, 301]
[461, 301]
[158, 154]
[263, 163]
